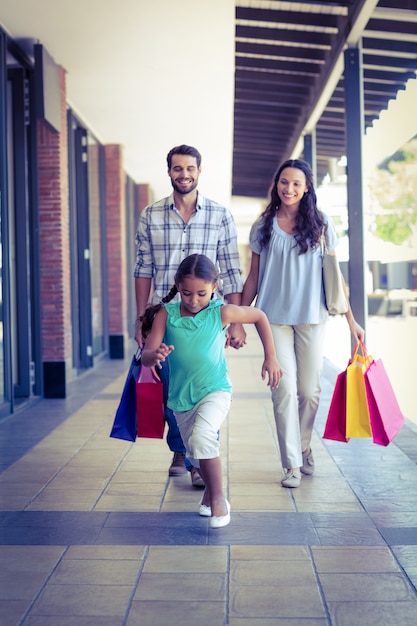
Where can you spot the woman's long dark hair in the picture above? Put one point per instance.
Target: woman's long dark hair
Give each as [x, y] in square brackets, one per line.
[197, 265]
[309, 222]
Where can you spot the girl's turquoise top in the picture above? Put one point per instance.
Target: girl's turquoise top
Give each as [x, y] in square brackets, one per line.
[198, 363]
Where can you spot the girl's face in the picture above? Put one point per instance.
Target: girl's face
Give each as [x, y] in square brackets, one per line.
[195, 294]
[291, 186]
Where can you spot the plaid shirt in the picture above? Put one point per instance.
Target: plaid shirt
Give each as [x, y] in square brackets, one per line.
[163, 240]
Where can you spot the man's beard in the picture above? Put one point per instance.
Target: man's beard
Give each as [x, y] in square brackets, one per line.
[181, 190]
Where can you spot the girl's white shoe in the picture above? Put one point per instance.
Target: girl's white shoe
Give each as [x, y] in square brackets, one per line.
[204, 510]
[221, 520]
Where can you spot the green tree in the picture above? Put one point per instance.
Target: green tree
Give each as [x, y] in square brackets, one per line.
[395, 188]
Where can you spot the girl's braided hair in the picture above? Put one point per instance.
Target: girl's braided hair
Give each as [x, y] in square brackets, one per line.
[197, 265]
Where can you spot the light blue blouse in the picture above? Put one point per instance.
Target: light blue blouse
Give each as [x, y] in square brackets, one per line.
[290, 285]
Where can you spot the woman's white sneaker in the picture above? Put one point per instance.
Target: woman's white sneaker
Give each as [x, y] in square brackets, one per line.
[291, 479]
[308, 463]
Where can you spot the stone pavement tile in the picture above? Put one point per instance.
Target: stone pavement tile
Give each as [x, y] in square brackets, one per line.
[127, 553]
[181, 559]
[171, 613]
[68, 478]
[135, 489]
[407, 558]
[138, 476]
[18, 558]
[82, 600]
[354, 559]
[279, 502]
[38, 471]
[362, 587]
[333, 495]
[95, 572]
[273, 588]
[154, 529]
[394, 519]
[277, 621]
[12, 611]
[189, 587]
[15, 502]
[400, 536]
[128, 503]
[267, 528]
[96, 458]
[329, 507]
[269, 553]
[23, 572]
[22, 489]
[255, 476]
[356, 613]
[73, 620]
[64, 500]
[346, 529]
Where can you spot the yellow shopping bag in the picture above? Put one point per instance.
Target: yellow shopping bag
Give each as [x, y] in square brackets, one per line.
[357, 412]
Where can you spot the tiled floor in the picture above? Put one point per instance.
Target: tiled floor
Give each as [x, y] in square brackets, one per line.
[93, 532]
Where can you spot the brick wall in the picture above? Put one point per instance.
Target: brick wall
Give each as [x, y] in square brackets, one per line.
[116, 249]
[54, 239]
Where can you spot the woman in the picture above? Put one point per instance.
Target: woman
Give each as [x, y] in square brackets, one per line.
[286, 277]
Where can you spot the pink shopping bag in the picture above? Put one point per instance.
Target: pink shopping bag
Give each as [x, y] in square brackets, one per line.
[384, 412]
[336, 419]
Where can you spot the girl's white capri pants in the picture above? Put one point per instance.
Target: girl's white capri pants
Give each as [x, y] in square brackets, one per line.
[200, 425]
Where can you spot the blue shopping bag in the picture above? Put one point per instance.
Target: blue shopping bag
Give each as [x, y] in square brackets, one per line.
[124, 425]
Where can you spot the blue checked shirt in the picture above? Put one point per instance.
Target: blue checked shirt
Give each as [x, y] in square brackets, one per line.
[163, 240]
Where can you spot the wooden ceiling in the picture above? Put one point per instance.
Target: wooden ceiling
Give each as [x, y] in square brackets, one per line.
[289, 77]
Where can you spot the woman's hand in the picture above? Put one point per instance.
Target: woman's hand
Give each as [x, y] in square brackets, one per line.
[357, 331]
[235, 336]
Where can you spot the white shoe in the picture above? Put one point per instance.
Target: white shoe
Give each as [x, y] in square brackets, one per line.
[308, 463]
[204, 510]
[221, 520]
[291, 479]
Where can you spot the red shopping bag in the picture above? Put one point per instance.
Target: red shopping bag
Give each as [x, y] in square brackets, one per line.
[149, 405]
[336, 419]
[384, 412]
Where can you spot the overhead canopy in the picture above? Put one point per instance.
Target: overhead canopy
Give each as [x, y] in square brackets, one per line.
[289, 78]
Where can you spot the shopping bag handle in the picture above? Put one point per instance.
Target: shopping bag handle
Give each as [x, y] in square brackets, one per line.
[360, 344]
[366, 357]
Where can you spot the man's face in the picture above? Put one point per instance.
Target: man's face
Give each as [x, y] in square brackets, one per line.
[184, 173]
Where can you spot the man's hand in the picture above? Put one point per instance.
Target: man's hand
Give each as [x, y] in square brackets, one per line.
[235, 336]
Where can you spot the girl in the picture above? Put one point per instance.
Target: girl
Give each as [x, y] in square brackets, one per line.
[192, 332]
[286, 276]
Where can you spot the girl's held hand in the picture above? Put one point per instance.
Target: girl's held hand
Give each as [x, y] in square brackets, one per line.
[272, 368]
[161, 353]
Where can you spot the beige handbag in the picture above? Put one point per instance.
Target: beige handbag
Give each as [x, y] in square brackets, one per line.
[336, 302]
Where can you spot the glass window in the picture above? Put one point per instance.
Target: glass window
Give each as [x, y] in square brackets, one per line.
[96, 242]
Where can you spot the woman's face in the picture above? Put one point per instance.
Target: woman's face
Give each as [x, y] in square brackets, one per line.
[291, 186]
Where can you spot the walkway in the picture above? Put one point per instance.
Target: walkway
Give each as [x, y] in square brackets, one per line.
[94, 533]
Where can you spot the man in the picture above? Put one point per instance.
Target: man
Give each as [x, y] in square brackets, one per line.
[168, 231]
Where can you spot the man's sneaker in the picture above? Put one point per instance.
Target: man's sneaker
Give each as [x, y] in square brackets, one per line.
[196, 479]
[177, 467]
[308, 463]
[291, 479]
